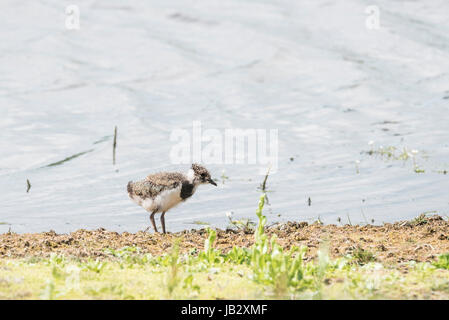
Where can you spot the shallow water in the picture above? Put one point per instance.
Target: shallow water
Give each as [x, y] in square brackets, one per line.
[312, 70]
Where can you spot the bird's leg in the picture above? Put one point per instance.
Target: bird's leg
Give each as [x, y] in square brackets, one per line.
[163, 221]
[152, 221]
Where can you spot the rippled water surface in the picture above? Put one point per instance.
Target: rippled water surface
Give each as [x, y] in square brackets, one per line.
[310, 69]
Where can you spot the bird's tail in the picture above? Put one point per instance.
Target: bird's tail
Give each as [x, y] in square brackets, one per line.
[129, 187]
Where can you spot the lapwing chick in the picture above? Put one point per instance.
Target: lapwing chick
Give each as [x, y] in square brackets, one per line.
[162, 191]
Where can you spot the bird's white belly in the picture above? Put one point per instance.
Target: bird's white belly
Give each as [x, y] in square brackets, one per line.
[164, 201]
[168, 199]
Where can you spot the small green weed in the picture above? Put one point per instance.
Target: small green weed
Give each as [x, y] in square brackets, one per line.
[442, 262]
[419, 220]
[362, 256]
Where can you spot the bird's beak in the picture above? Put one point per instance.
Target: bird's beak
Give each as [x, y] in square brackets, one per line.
[212, 182]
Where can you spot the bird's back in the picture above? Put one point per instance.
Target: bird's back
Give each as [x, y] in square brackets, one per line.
[155, 184]
[166, 179]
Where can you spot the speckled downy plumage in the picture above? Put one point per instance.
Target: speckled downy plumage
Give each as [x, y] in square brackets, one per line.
[162, 191]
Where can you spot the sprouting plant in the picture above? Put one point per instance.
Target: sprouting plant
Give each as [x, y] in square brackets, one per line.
[246, 225]
[173, 280]
[96, 266]
[188, 283]
[419, 220]
[260, 236]
[272, 265]
[269, 262]
[442, 262]
[57, 263]
[239, 255]
[57, 260]
[208, 246]
[362, 256]
[130, 256]
[210, 255]
[58, 272]
[319, 221]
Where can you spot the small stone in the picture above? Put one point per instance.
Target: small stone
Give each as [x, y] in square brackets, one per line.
[443, 237]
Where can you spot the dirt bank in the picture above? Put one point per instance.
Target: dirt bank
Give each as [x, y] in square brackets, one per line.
[420, 240]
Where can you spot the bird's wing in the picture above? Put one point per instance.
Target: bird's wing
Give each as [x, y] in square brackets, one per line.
[145, 189]
[154, 184]
[166, 179]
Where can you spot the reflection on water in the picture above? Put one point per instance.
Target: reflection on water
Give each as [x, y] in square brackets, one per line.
[310, 69]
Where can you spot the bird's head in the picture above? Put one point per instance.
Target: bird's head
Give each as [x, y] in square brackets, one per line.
[201, 175]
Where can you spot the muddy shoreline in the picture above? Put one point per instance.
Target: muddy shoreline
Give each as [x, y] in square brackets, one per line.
[417, 240]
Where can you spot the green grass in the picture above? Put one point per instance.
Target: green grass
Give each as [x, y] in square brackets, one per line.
[73, 280]
[362, 256]
[208, 276]
[442, 262]
[263, 271]
[419, 220]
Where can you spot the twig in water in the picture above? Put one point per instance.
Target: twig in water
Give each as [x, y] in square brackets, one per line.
[364, 217]
[114, 145]
[263, 186]
[67, 159]
[28, 185]
[349, 219]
